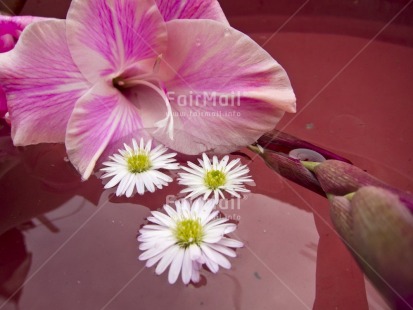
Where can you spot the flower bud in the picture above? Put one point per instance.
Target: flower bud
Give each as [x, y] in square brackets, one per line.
[340, 178]
[378, 228]
[340, 213]
[291, 169]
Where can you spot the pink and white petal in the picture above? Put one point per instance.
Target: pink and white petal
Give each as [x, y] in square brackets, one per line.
[220, 81]
[106, 38]
[15, 24]
[154, 108]
[11, 28]
[7, 42]
[195, 272]
[191, 9]
[102, 117]
[42, 84]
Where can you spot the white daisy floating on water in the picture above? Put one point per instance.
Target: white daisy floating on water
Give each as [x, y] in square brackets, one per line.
[215, 178]
[137, 168]
[186, 238]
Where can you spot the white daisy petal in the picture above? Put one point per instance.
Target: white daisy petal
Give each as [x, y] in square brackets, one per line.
[136, 168]
[223, 249]
[166, 260]
[186, 237]
[214, 236]
[231, 243]
[153, 251]
[153, 260]
[116, 179]
[194, 252]
[215, 256]
[166, 220]
[176, 266]
[212, 265]
[186, 268]
[171, 212]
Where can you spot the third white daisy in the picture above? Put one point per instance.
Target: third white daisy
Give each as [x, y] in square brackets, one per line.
[185, 238]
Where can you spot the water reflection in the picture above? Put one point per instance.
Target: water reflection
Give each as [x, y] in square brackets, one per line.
[33, 181]
[15, 262]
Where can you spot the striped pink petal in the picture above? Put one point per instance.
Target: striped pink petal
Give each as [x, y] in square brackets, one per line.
[41, 82]
[224, 89]
[11, 28]
[101, 118]
[191, 9]
[108, 38]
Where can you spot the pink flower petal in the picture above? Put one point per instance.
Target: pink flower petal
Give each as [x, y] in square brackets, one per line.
[11, 28]
[107, 38]
[3, 103]
[103, 116]
[207, 67]
[7, 42]
[191, 9]
[11, 24]
[41, 82]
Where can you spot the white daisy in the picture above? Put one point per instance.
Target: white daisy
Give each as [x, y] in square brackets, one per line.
[137, 168]
[215, 178]
[187, 238]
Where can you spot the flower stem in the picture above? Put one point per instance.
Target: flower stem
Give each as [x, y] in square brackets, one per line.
[310, 165]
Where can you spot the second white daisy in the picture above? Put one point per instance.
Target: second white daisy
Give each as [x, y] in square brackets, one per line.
[137, 168]
[215, 178]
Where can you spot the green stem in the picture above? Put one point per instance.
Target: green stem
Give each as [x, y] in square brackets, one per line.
[310, 165]
[255, 149]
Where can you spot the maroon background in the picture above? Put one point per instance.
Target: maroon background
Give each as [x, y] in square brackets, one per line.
[73, 244]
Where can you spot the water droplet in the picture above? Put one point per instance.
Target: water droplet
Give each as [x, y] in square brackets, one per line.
[227, 32]
[306, 154]
[66, 159]
[198, 42]
[309, 126]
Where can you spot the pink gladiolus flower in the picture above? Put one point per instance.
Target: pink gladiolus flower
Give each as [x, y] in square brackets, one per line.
[126, 68]
[10, 29]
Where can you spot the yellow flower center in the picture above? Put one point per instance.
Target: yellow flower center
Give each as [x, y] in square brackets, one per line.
[138, 163]
[214, 179]
[189, 232]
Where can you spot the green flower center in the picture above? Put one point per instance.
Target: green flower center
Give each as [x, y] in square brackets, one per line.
[189, 232]
[138, 163]
[214, 179]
